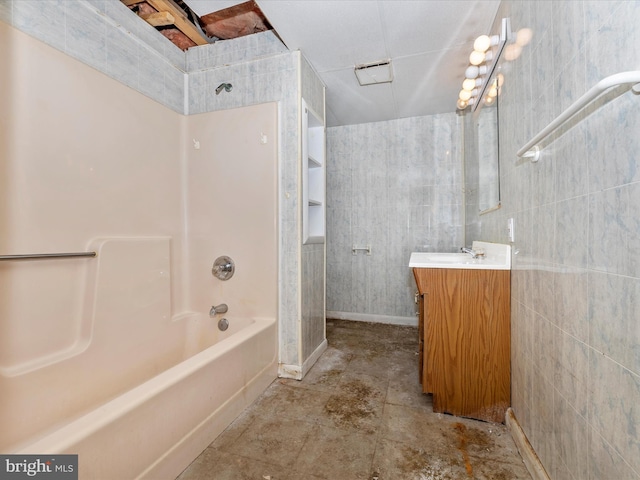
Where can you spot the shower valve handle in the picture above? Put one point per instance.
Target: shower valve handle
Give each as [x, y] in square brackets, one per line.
[223, 268]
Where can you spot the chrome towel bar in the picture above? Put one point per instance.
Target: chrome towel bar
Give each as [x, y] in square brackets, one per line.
[532, 150]
[43, 256]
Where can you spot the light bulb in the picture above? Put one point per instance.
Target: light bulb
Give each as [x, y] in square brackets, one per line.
[482, 43]
[512, 52]
[523, 37]
[469, 84]
[465, 95]
[493, 91]
[500, 80]
[476, 58]
[488, 100]
[471, 71]
[462, 104]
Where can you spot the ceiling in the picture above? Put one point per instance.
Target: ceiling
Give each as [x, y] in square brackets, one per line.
[428, 42]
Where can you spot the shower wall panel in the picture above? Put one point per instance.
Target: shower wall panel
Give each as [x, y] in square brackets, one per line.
[73, 167]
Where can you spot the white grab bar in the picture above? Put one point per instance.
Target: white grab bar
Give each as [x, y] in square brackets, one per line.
[46, 256]
[531, 149]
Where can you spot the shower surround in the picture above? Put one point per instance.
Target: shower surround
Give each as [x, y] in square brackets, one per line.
[99, 353]
[105, 35]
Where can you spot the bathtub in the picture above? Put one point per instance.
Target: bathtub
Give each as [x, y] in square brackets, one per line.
[157, 428]
[114, 357]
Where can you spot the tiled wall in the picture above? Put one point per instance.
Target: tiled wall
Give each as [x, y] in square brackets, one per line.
[396, 186]
[105, 35]
[576, 270]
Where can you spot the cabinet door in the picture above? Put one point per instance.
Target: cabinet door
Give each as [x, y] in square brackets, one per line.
[467, 342]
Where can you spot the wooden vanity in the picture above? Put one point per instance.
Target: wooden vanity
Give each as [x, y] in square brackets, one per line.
[465, 340]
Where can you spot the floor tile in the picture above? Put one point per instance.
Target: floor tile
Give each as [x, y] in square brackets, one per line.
[333, 454]
[358, 414]
[396, 460]
[274, 440]
[218, 465]
[297, 403]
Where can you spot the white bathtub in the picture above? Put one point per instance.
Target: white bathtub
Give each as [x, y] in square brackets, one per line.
[157, 428]
[104, 356]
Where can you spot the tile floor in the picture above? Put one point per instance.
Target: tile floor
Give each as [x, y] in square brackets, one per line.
[358, 414]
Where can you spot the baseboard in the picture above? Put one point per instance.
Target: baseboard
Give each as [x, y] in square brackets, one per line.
[297, 372]
[367, 317]
[313, 358]
[287, 370]
[528, 454]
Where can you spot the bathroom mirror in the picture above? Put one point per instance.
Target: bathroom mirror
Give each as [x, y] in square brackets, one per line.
[482, 151]
[486, 121]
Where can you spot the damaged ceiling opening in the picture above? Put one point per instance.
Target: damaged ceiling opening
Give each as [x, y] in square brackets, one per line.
[176, 21]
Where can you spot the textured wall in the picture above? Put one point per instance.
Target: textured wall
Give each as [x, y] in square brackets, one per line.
[313, 255]
[105, 35]
[576, 271]
[396, 186]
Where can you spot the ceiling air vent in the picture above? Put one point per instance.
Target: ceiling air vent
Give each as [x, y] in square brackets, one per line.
[375, 72]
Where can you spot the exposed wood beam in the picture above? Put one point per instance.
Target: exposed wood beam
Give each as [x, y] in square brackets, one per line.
[181, 20]
[235, 21]
[128, 3]
[159, 19]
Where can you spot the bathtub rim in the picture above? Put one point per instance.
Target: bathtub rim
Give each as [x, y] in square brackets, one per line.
[63, 438]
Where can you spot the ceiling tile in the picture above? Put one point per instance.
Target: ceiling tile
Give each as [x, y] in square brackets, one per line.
[349, 103]
[428, 41]
[429, 83]
[204, 7]
[422, 26]
[332, 35]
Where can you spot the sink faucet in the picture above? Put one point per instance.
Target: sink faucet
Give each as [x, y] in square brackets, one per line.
[222, 308]
[472, 252]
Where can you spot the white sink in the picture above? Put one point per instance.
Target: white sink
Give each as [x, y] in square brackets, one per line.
[496, 257]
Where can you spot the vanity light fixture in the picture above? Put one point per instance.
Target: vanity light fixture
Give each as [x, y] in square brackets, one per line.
[483, 61]
[373, 73]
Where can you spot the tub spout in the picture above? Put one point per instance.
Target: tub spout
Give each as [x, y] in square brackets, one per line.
[222, 308]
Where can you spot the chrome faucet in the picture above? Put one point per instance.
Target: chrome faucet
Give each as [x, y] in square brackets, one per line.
[472, 252]
[222, 308]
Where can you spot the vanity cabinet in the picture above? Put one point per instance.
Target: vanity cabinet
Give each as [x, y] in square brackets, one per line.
[465, 340]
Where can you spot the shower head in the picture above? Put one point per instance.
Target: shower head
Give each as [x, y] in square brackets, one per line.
[227, 87]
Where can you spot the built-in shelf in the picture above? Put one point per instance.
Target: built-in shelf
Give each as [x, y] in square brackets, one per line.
[313, 176]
